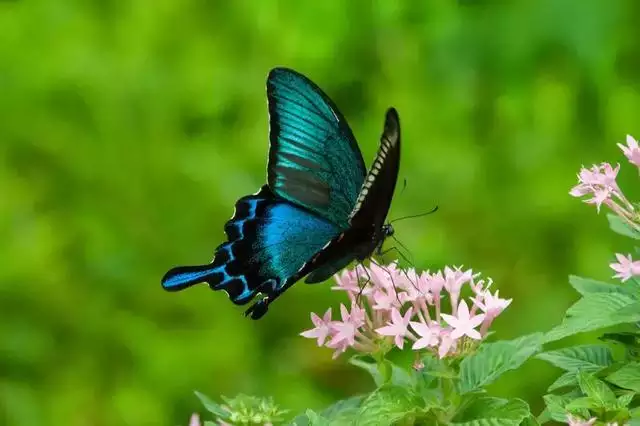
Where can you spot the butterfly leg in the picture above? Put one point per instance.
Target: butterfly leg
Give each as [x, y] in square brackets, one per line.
[415, 285]
[258, 309]
[363, 284]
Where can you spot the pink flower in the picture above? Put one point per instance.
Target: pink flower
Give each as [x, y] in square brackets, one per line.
[345, 330]
[194, 420]
[480, 286]
[631, 150]
[464, 324]
[347, 281]
[381, 276]
[418, 365]
[491, 304]
[385, 298]
[599, 181]
[429, 335]
[577, 421]
[397, 327]
[340, 347]
[388, 292]
[322, 327]
[415, 286]
[454, 279]
[626, 267]
[437, 284]
[447, 343]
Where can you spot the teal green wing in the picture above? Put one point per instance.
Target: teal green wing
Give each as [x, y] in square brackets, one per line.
[314, 159]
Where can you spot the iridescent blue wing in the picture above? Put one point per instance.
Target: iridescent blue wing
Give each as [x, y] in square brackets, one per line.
[314, 160]
[365, 232]
[269, 239]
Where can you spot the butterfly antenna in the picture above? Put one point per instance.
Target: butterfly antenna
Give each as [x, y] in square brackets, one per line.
[433, 210]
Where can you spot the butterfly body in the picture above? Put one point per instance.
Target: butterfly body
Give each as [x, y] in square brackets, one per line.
[319, 211]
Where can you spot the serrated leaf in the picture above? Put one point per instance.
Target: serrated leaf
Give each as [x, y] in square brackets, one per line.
[583, 403]
[343, 410]
[625, 399]
[626, 338]
[619, 226]
[583, 357]
[391, 403]
[597, 390]
[530, 421]
[627, 377]
[567, 379]
[436, 367]
[586, 286]
[315, 419]
[398, 376]
[595, 311]
[211, 406]
[494, 359]
[299, 420]
[555, 407]
[544, 416]
[493, 411]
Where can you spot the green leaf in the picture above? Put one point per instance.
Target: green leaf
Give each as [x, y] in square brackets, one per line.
[627, 338]
[567, 379]
[494, 359]
[493, 411]
[398, 375]
[315, 419]
[211, 406]
[530, 421]
[435, 367]
[585, 402]
[391, 403]
[311, 418]
[555, 407]
[619, 226]
[595, 311]
[210, 423]
[585, 357]
[597, 390]
[625, 399]
[586, 286]
[627, 377]
[343, 410]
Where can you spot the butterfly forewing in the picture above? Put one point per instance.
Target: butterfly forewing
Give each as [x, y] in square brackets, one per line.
[314, 160]
[374, 199]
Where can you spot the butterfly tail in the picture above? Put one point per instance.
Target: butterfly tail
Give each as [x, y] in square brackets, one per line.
[183, 277]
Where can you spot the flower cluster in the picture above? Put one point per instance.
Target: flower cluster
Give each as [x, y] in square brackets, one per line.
[390, 306]
[599, 182]
[577, 421]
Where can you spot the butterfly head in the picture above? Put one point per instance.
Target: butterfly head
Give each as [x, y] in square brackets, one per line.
[387, 230]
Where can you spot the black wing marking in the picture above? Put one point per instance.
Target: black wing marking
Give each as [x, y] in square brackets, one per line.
[374, 200]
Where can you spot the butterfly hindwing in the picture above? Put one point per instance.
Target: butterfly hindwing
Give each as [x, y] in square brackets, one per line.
[314, 160]
[269, 239]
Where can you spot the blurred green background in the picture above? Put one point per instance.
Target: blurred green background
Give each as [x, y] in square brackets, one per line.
[128, 129]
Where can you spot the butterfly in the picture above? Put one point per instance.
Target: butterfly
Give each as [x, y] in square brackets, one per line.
[319, 211]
